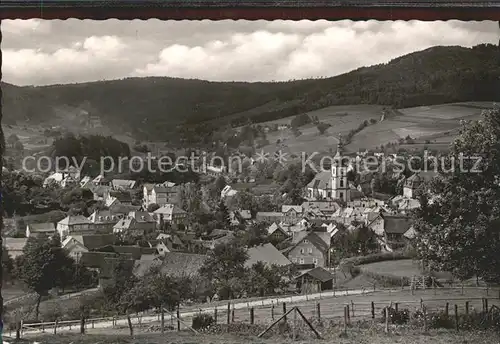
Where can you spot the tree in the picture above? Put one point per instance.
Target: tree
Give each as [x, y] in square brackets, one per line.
[7, 265]
[322, 127]
[12, 140]
[222, 215]
[225, 267]
[118, 293]
[458, 223]
[43, 266]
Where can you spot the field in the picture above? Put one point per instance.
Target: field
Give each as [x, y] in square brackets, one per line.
[397, 268]
[341, 118]
[436, 124]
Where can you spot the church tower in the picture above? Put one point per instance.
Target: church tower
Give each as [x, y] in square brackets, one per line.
[339, 184]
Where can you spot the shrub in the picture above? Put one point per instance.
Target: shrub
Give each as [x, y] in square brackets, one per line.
[376, 257]
[202, 321]
[398, 317]
[440, 320]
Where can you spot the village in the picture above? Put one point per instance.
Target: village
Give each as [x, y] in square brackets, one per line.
[158, 231]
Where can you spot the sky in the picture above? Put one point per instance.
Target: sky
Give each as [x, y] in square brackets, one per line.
[42, 52]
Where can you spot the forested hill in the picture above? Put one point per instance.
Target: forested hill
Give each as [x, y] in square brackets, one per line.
[154, 106]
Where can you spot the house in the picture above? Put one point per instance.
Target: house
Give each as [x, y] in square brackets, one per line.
[365, 202]
[171, 213]
[100, 192]
[320, 208]
[240, 217]
[228, 191]
[14, 246]
[315, 280]
[276, 233]
[165, 243]
[136, 223]
[74, 225]
[404, 204]
[100, 180]
[123, 197]
[267, 254]
[348, 215]
[291, 213]
[40, 229]
[61, 179]
[133, 251]
[412, 184]
[104, 220]
[310, 248]
[108, 265]
[391, 229]
[86, 182]
[77, 244]
[269, 216]
[215, 171]
[160, 194]
[123, 184]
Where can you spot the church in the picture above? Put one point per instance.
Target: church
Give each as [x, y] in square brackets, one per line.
[333, 184]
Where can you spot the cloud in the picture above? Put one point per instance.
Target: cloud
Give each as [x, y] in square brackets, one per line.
[42, 52]
[82, 61]
[23, 27]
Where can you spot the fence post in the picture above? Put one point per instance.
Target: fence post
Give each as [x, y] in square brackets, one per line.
[348, 315]
[396, 306]
[55, 326]
[318, 310]
[228, 313]
[425, 319]
[486, 305]
[18, 329]
[345, 319]
[178, 318]
[272, 312]
[232, 314]
[386, 320]
[215, 314]
[462, 288]
[373, 310]
[446, 309]
[402, 283]
[467, 307]
[352, 308]
[162, 320]
[92, 323]
[421, 303]
[487, 290]
[252, 316]
[82, 325]
[456, 316]
[284, 311]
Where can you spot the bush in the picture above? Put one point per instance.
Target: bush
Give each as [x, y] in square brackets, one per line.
[376, 257]
[398, 317]
[202, 321]
[440, 320]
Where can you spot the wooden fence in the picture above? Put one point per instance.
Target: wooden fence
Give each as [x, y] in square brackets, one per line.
[327, 305]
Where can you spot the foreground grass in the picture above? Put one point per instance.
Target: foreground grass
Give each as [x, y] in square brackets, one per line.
[372, 335]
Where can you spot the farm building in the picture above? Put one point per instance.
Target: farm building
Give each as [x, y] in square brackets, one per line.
[315, 280]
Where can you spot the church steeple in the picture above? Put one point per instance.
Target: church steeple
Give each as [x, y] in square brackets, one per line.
[340, 145]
